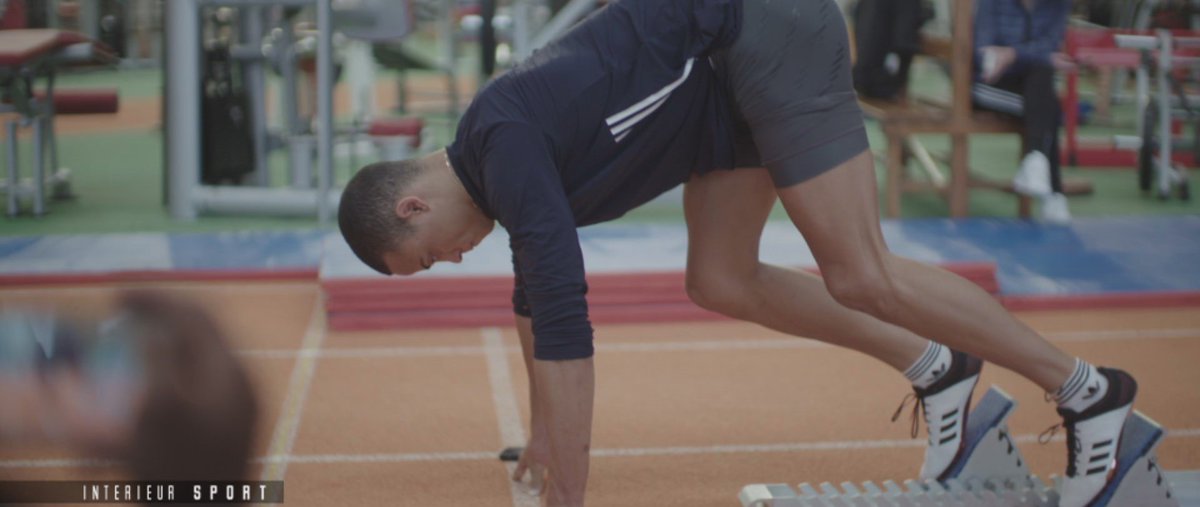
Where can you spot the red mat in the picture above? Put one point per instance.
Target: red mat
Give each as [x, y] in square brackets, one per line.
[412, 303]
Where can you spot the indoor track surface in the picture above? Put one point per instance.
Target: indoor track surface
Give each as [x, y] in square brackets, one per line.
[686, 413]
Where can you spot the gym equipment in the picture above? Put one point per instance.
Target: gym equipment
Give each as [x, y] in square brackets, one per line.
[227, 140]
[265, 38]
[1161, 106]
[27, 55]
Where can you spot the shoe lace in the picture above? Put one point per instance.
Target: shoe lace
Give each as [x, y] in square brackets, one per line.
[919, 406]
[1045, 436]
[1073, 444]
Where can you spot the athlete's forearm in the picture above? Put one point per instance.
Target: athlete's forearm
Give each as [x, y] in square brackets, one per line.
[537, 419]
[566, 389]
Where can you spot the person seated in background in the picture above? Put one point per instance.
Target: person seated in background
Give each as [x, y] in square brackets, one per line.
[1017, 51]
[155, 388]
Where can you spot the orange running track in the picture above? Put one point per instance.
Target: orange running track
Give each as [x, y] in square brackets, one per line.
[686, 413]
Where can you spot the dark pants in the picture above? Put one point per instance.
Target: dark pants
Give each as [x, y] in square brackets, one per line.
[1029, 93]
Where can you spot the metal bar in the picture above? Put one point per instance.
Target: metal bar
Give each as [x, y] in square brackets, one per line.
[324, 106]
[1187, 42]
[51, 138]
[1152, 41]
[1142, 83]
[183, 105]
[1164, 112]
[253, 78]
[128, 24]
[290, 94]
[14, 183]
[247, 53]
[39, 162]
[252, 3]
[261, 201]
[300, 153]
[1136, 41]
[1134, 143]
[522, 35]
[448, 46]
[52, 19]
[89, 18]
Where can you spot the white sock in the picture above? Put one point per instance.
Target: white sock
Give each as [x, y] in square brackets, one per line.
[930, 366]
[1084, 387]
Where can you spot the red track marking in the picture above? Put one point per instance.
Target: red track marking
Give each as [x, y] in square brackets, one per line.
[398, 303]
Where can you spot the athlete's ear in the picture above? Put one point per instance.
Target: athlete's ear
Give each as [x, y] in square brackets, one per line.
[408, 207]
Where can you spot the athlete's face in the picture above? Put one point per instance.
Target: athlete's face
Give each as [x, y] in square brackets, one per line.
[442, 232]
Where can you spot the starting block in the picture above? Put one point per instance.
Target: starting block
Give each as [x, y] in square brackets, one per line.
[993, 473]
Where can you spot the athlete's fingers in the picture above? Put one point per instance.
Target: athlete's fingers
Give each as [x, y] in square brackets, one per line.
[519, 471]
[537, 475]
[537, 480]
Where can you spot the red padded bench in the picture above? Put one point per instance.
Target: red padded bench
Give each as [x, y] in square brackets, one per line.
[93, 101]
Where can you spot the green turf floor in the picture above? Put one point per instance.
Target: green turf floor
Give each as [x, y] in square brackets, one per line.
[118, 177]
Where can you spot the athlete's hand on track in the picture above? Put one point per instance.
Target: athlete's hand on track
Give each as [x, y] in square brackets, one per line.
[534, 459]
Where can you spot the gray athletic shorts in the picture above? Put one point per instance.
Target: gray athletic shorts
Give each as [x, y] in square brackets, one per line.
[788, 77]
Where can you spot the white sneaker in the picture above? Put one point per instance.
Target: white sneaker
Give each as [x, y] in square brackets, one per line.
[945, 407]
[1055, 210]
[1033, 178]
[1093, 437]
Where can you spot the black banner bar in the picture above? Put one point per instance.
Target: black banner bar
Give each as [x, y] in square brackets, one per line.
[144, 492]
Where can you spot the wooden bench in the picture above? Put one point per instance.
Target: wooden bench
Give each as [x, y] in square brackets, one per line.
[910, 115]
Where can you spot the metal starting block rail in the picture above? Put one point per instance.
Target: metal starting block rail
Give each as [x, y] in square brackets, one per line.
[992, 473]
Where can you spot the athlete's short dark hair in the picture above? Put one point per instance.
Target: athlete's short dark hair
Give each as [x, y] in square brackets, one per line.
[366, 214]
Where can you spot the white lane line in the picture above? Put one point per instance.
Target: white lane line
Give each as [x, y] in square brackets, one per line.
[381, 458]
[288, 424]
[364, 352]
[836, 445]
[844, 445]
[512, 433]
[507, 413]
[57, 463]
[1131, 334]
[705, 345]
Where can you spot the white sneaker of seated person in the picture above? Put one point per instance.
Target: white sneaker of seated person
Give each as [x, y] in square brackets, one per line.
[1033, 177]
[1055, 210]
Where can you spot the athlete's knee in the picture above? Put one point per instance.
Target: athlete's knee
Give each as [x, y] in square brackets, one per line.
[715, 290]
[870, 289]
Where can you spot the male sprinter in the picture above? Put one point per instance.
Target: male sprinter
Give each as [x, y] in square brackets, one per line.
[646, 94]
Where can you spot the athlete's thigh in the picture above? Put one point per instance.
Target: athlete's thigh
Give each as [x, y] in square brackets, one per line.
[837, 212]
[725, 212]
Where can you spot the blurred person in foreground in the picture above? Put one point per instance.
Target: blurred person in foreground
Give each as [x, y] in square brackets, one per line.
[155, 388]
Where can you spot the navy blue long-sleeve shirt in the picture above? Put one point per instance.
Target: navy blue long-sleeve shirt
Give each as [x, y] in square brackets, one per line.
[1034, 33]
[620, 109]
